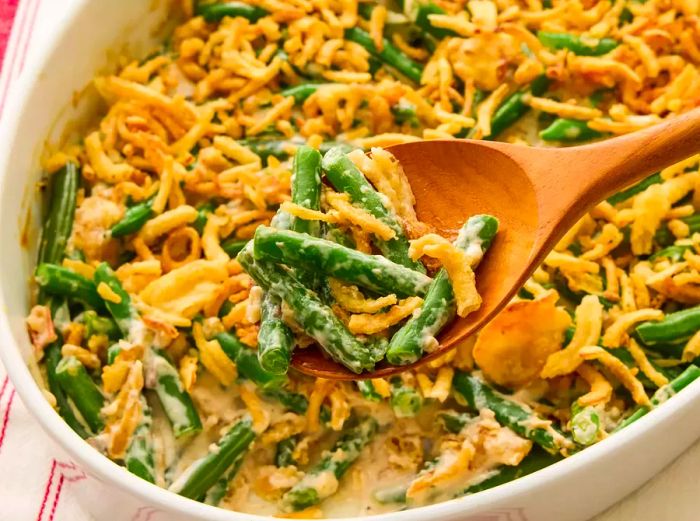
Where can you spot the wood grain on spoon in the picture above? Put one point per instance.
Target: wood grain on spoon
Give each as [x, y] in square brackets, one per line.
[536, 193]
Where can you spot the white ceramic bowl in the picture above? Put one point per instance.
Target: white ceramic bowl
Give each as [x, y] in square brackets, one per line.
[574, 489]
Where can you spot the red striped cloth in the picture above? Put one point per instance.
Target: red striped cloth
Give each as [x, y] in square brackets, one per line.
[8, 10]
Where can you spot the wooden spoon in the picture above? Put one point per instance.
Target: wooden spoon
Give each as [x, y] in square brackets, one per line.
[536, 193]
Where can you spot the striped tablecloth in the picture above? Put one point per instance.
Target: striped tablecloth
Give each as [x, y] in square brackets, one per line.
[35, 485]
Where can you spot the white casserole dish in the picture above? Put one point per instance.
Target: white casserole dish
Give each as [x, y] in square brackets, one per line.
[574, 489]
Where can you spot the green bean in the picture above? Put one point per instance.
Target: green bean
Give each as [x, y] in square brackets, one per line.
[391, 495]
[52, 357]
[513, 107]
[509, 413]
[64, 282]
[284, 456]
[582, 46]
[635, 189]
[213, 12]
[204, 473]
[454, 421]
[139, 458]
[536, 460]
[97, 325]
[87, 397]
[59, 220]
[405, 113]
[346, 177]
[691, 373]
[390, 54]
[664, 237]
[282, 149]
[569, 130]
[52, 248]
[275, 339]
[233, 246]
[300, 92]
[408, 343]
[673, 253]
[306, 187]
[317, 319]
[202, 216]
[585, 424]
[247, 362]
[122, 312]
[406, 401]
[674, 327]
[332, 466]
[422, 20]
[218, 491]
[373, 272]
[367, 390]
[134, 219]
[176, 401]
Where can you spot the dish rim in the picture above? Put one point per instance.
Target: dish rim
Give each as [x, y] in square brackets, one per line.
[109, 472]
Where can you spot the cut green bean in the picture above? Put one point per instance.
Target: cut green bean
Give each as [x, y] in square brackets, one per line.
[509, 413]
[123, 312]
[218, 491]
[306, 187]
[64, 282]
[635, 189]
[513, 107]
[373, 272]
[390, 54]
[406, 401]
[87, 397]
[233, 246]
[367, 390]
[247, 362]
[536, 460]
[346, 177]
[691, 373]
[176, 401]
[98, 325]
[134, 219]
[582, 46]
[59, 219]
[454, 421]
[317, 319]
[52, 357]
[422, 20]
[202, 216]
[300, 93]
[569, 130]
[284, 456]
[674, 327]
[312, 489]
[139, 458]
[664, 237]
[214, 12]
[585, 425]
[416, 336]
[275, 340]
[673, 253]
[203, 474]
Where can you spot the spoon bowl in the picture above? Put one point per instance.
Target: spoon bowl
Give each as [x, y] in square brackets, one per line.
[537, 194]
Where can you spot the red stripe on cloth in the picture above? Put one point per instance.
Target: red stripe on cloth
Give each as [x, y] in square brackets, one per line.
[30, 30]
[6, 418]
[4, 386]
[8, 66]
[45, 499]
[56, 497]
[8, 9]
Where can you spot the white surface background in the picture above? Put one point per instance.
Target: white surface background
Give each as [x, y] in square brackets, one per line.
[27, 453]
